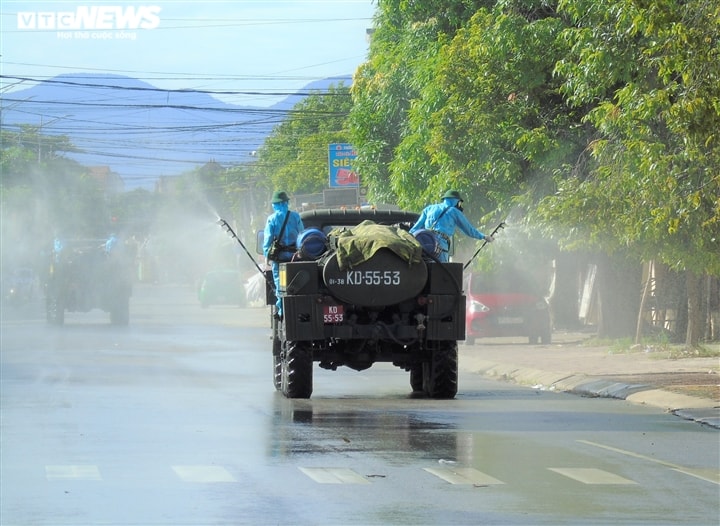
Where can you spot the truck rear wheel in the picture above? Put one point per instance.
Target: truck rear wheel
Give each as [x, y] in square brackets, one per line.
[276, 353]
[416, 377]
[277, 363]
[441, 380]
[297, 373]
[277, 372]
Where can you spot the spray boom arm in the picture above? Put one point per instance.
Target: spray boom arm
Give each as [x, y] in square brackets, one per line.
[497, 229]
[225, 226]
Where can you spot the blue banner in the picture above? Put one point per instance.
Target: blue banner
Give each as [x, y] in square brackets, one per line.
[340, 161]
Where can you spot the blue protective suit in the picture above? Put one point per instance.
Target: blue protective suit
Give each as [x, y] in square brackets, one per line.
[111, 243]
[289, 238]
[444, 218]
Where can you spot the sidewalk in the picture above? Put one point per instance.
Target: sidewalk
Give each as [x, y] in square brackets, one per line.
[643, 376]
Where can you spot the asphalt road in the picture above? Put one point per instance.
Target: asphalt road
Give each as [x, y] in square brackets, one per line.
[174, 421]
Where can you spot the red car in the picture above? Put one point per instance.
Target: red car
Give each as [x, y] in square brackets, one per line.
[505, 303]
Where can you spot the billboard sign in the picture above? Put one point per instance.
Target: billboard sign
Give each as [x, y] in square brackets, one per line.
[340, 161]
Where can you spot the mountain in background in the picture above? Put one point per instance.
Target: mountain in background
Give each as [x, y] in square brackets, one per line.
[142, 132]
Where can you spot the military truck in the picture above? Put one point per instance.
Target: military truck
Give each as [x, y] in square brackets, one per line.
[87, 274]
[360, 290]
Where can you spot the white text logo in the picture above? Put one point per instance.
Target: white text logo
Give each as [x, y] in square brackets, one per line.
[94, 18]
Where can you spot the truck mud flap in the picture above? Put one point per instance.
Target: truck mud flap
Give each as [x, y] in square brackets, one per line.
[446, 317]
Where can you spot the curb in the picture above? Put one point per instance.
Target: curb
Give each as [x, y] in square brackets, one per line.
[701, 410]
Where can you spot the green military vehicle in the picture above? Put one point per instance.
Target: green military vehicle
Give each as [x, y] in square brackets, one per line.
[87, 274]
[360, 290]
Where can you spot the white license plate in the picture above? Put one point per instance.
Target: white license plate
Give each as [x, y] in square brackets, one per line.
[509, 321]
[333, 314]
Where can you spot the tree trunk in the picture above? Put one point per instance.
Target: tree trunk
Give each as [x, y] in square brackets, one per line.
[643, 302]
[619, 289]
[695, 310]
[565, 299]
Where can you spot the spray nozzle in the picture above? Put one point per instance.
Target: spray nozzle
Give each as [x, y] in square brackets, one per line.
[224, 225]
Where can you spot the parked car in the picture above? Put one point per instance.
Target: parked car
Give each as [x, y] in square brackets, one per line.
[222, 287]
[505, 303]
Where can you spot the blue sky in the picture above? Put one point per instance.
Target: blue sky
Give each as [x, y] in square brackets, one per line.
[267, 46]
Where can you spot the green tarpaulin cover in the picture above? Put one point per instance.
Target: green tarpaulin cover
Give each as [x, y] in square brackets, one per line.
[358, 244]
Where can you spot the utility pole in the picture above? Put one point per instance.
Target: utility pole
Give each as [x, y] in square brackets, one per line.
[39, 132]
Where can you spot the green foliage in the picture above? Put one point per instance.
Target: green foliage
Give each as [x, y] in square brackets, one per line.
[451, 15]
[295, 156]
[134, 212]
[42, 195]
[395, 92]
[381, 92]
[474, 106]
[596, 121]
[504, 127]
[648, 80]
[44, 191]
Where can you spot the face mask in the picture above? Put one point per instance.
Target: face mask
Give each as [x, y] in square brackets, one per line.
[280, 207]
[450, 201]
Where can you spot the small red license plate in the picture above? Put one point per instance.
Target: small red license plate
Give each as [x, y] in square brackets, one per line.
[333, 313]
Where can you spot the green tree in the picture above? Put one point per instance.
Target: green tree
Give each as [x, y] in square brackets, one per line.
[472, 106]
[44, 194]
[295, 156]
[383, 89]
[648, 76]
[403, 49]
[594, 123]
[448, 100]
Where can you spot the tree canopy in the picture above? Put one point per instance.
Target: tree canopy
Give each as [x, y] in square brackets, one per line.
[596, 122]
[295, 156]
[647, 78]
[44, 194]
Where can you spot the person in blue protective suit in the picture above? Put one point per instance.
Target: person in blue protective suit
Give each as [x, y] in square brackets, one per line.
[443, 218]
[281, 232]
[111, 243]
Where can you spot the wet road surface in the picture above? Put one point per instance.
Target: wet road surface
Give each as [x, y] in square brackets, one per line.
[173, 420]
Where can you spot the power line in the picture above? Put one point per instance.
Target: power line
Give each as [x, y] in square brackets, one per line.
[135, 148]
[176, 91]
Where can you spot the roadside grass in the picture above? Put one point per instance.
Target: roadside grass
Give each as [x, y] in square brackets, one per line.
[659, 346]
[703, 351]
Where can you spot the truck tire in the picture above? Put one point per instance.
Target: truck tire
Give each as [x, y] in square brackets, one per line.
[276, 353]
[277, 372]
[441, 381]
[416, 378]
[297, 372]
[277, 363]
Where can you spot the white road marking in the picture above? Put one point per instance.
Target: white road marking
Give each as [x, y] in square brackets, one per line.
[464, 476]
[203, 474]
[592, 476]
[708, 475]
[334, 476]
[72, 472]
